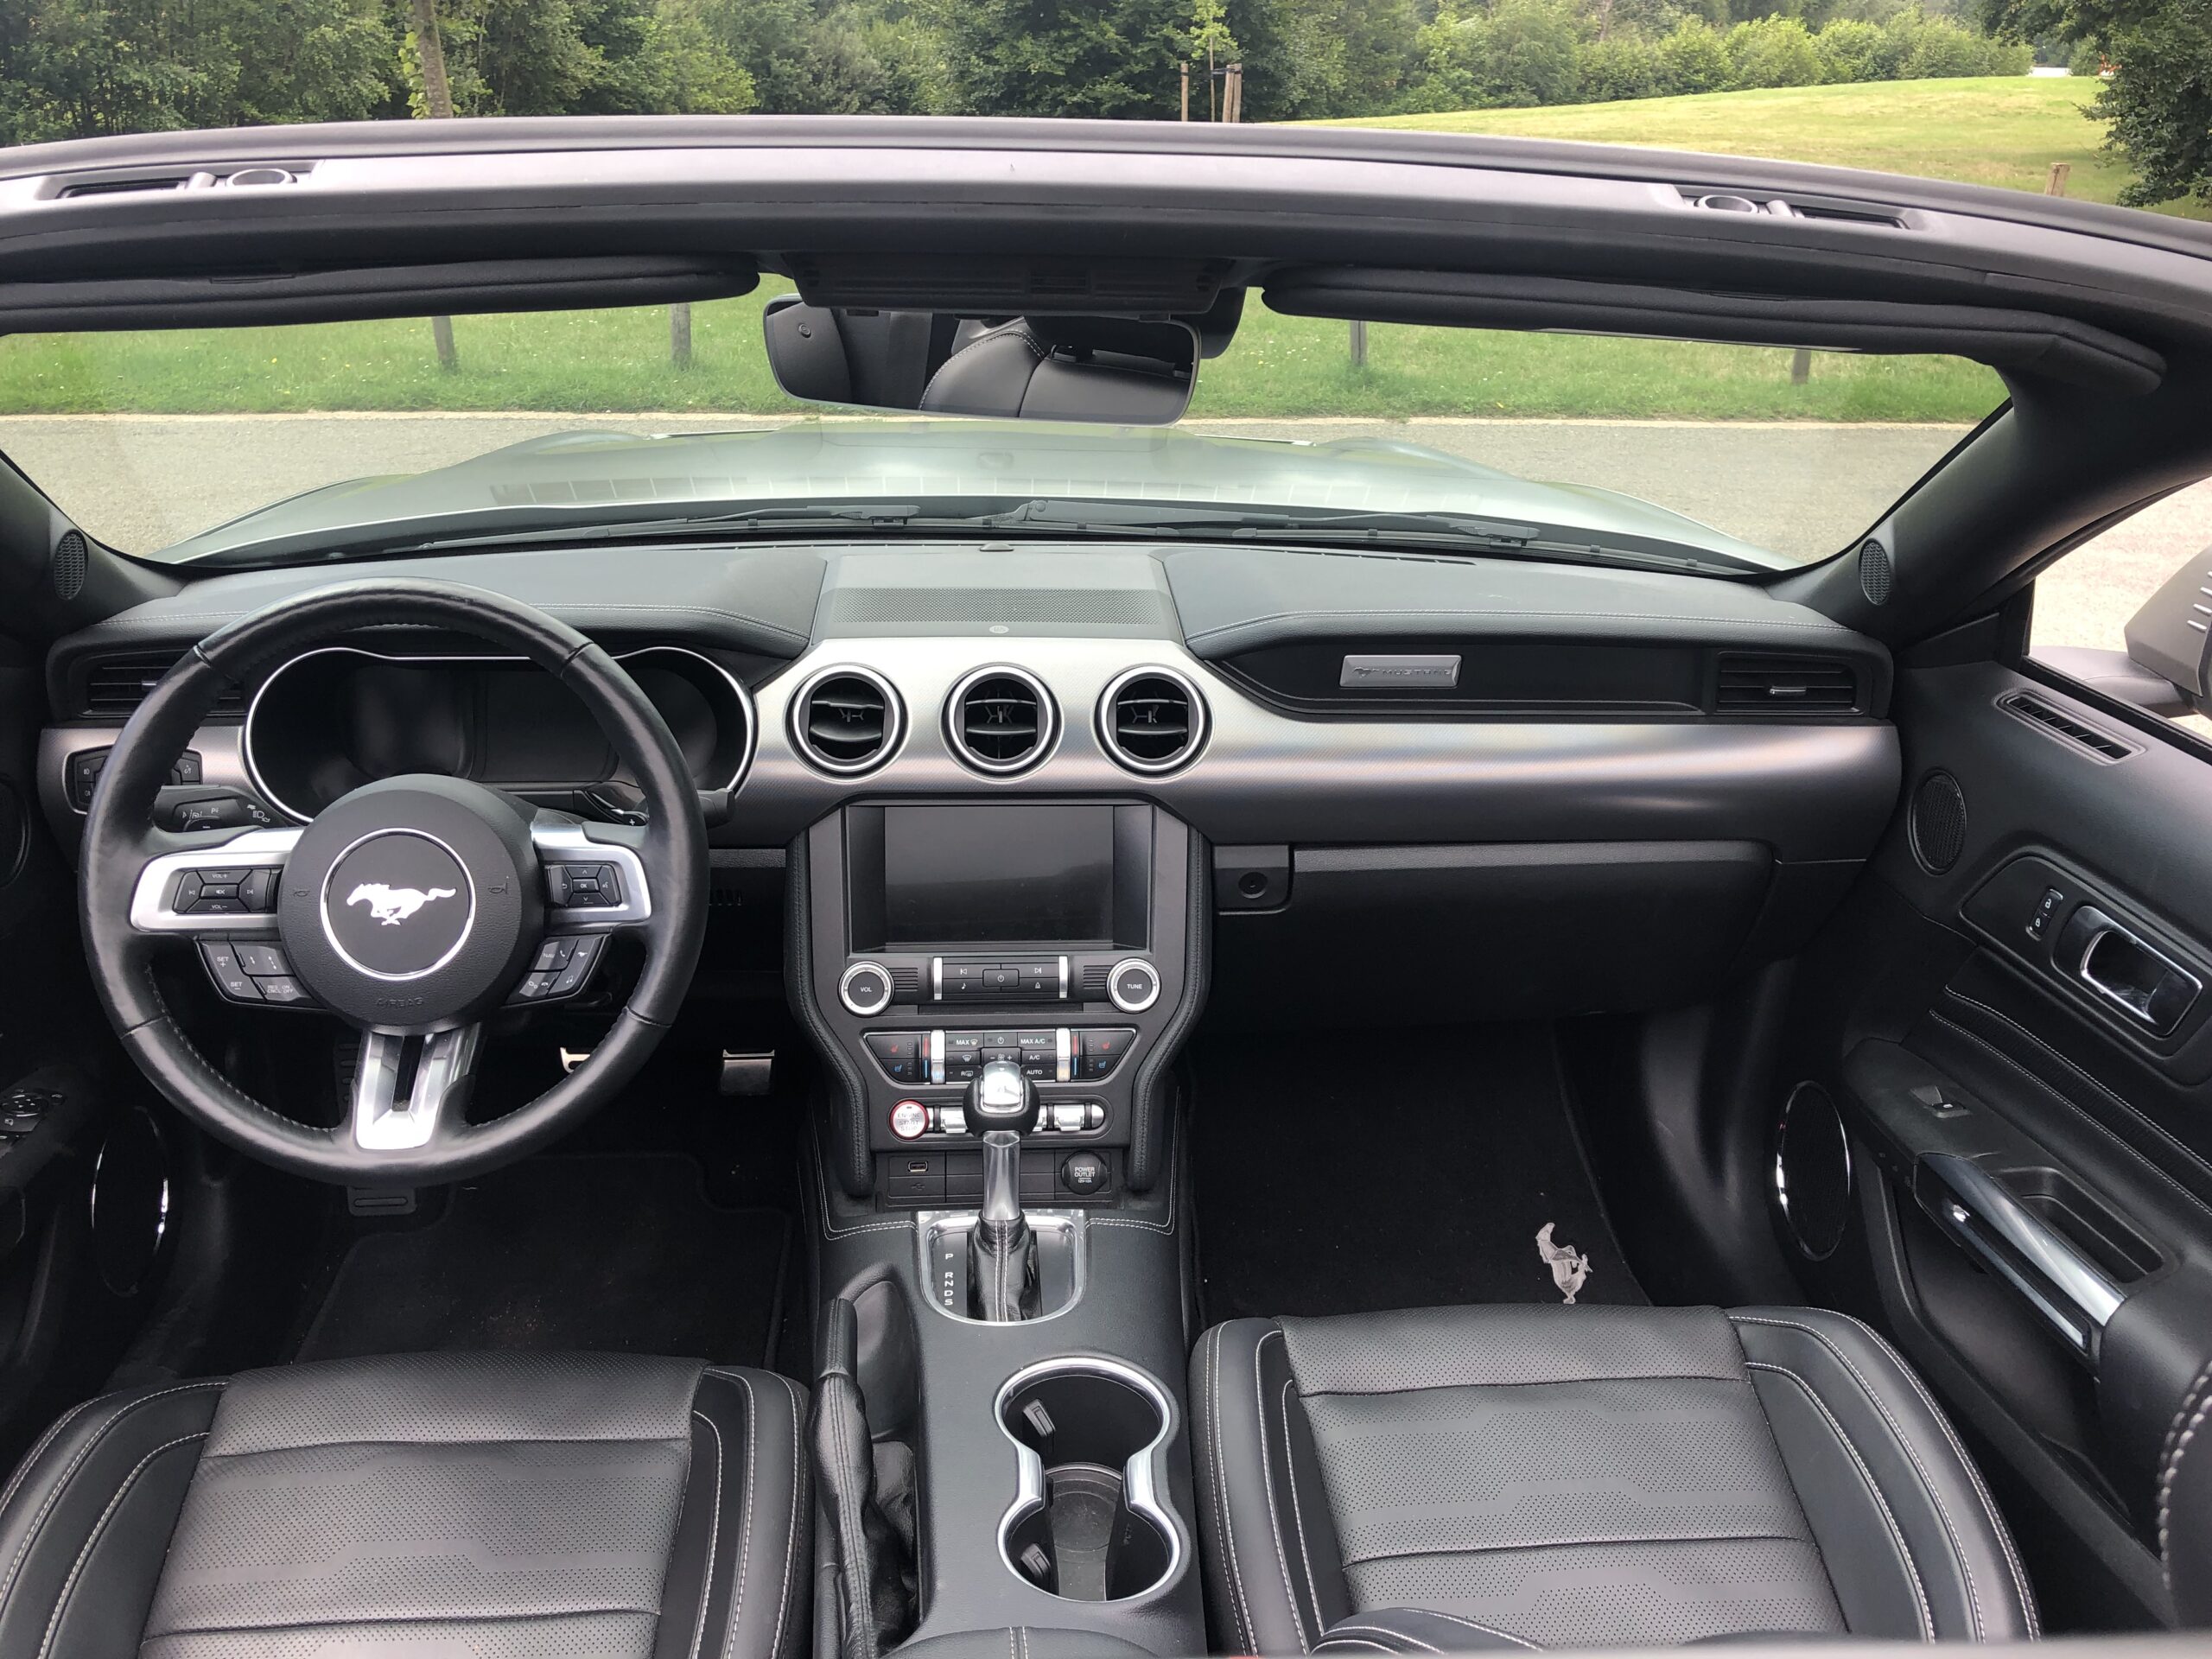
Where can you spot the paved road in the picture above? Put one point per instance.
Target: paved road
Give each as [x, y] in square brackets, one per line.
[144, 481]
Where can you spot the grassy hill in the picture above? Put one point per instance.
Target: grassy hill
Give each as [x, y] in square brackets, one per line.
[2003, 130]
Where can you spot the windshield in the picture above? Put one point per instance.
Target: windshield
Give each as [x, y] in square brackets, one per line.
[341, 440]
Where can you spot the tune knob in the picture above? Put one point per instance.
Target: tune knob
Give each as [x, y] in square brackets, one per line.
[866, 988]
[1133, 985]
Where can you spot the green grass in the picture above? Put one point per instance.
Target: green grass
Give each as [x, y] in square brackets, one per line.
[1280, 367]
[2002, 130]
[1994, 131]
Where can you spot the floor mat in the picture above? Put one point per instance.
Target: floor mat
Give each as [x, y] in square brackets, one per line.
[618, 1252]
[1349, 1173]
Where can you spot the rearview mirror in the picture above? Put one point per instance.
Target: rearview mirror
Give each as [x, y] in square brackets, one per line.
[2171, 636]
[1116, 370]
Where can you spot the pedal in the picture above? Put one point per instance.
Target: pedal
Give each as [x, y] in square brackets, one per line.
[379, 1201]
[571, 1058]
[747, 1074]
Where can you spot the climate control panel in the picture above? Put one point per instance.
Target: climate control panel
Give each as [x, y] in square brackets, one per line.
[1054, 1054]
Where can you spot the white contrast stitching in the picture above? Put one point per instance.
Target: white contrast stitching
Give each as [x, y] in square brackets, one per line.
[2201, 1396]
[1487, 1630]
[1974, 1473]
[53, 1497]
[1874, 1491]
[1268, 1482]
[1297, 1509]
[744, 1531]
[713, 1537]
[1221, 1498]
[2116, 1098]
[77, 1568]
[1896, 1432]
[791, 1534]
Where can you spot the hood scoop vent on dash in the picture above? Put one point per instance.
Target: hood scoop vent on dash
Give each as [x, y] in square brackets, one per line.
[1000, 720]
[846, 720]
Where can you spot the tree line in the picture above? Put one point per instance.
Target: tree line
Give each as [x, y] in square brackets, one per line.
[84, 67]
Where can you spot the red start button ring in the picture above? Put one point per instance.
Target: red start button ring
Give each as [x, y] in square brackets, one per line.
[909, 1118]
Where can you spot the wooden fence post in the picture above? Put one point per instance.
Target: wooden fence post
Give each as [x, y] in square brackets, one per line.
[1801, 366]
[1186, 89]
[679, 334]
[2056, 185]
[1358, 344]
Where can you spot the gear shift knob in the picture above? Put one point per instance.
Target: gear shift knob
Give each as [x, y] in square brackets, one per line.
[1002, 1098]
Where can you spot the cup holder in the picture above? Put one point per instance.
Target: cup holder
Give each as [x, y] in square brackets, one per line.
[1088, 1523]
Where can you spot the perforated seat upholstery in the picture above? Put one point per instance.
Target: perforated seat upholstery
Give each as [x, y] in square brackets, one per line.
[475, 1504]
[1457, 1479]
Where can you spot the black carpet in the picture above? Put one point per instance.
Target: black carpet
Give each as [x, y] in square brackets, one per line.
[607, 1251]
[1342, 1172]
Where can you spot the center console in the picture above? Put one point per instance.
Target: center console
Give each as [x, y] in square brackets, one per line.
[942, 937]
[1002, 1252]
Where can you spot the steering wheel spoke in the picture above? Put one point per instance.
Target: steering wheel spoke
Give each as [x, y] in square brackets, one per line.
[410, 1091]
[593, 881]
[226, 887]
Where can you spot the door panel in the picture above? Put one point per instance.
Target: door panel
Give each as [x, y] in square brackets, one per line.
[2036, 1149]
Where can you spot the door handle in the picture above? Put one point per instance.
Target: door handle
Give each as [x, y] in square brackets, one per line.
[2120, 968]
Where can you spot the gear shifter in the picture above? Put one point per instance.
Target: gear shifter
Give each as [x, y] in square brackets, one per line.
[1002, 1250]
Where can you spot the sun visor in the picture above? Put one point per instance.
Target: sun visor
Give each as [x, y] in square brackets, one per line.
[358, 293]
[2029, 343]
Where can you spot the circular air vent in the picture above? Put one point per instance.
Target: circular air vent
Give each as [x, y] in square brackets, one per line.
[846, 720]
[70, 555]
[1152, 720]
[1876, 575]
[1000, 720]
[1937, 823]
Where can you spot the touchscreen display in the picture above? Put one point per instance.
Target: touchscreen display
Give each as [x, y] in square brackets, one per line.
[998, 875]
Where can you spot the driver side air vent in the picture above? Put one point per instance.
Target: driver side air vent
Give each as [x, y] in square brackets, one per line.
[115, 686]
[846, 720]
[1751, 684]
[1152, 720]
[1000, 720]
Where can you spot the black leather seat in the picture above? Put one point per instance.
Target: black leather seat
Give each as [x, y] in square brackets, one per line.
[485, 1504]
[1465, 1478]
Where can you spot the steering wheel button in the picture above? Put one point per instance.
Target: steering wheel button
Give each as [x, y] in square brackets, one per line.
[572, 977]
[280, 988]
[231, 979]
[187, 893]
[223, 903]
[260, 960]
[259, 891]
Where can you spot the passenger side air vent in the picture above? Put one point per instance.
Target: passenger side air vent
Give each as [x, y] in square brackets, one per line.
[2028, 707]
[846, 720]
[1784, 685]
[115, 686]
[1152, 720]
[1000, 720]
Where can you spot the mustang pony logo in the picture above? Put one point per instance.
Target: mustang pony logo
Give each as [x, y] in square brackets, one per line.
[392, 906]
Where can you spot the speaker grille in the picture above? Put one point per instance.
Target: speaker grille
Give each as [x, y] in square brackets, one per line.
[1812, 1172]
[70, 557]
[1937, 823]
[1876, 575]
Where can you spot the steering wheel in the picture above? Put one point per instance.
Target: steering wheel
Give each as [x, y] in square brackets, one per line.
[411, 908]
